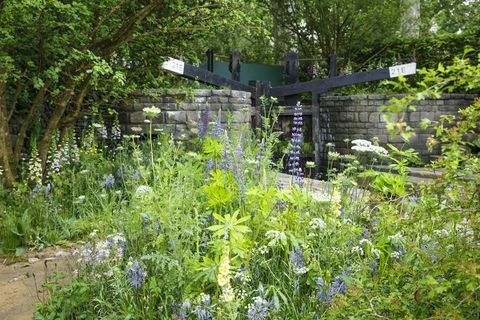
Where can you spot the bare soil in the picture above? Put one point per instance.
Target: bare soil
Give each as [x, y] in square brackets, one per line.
[21, 283]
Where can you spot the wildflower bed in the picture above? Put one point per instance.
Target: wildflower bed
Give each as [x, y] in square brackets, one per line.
[210, 234]
[206, 231]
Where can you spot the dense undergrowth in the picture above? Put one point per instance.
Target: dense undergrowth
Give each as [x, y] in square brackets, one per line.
[206, 232]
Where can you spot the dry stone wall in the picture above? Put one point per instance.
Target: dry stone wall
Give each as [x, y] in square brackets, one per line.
[359, 117]
[182, 111]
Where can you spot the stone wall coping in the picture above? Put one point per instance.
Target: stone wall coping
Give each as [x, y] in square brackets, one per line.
[193, 92]
[446, 96]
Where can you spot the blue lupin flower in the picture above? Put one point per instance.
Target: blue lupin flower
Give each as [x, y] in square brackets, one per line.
[295, 145]
[338, 285]
[137, 175]
[108, 182]
[182, 312]
[321, 290]
[210, 166]
[204, 125]
[47, 190]
[203, 310]
[259, 157]
[119, 173]
[217, 129]
[259, 309]
[238, 169]
[226, 161]
[296, 260]
[136, 273]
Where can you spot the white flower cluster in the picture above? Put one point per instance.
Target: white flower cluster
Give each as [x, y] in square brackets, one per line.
[101, 130]
[365, 242]
[275, 237]
[35, 167]
[110, 250]
[68, 154]
[441, 233]
[151, 112]
[395, 255]
[357, 249]
[361, 145]
[396, 238]
[317, 223]
[116, 132]
[332, 155]
[143, 189]
[464, 228]
[376, 252]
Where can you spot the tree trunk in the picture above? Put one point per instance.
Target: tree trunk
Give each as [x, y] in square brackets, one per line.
[27, 121]
[72, 117]
[5, 141]
[54, 120]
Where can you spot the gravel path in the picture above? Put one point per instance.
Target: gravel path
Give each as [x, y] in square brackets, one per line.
[21, 282]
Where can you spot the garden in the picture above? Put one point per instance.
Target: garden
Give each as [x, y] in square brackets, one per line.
[230, 223]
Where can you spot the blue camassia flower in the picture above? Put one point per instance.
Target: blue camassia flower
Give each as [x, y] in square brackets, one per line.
[136, 273]
[109, 181]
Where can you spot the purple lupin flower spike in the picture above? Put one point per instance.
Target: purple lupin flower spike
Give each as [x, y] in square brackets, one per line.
[217, 129]
[238, 169]
[204, 125]
[295, 145]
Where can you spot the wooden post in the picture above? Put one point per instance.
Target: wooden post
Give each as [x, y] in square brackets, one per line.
[332, 66]
[291, 75]
[262, 88]
[316, 131]
[234, 66]
[210, 60]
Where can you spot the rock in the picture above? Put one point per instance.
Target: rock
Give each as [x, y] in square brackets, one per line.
[32, 260]
[62, 254]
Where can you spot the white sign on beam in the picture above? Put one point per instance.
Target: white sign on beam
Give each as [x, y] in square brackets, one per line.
[403, 70]
[174, 65]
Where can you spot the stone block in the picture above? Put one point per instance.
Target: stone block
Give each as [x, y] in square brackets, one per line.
[427, 115]
[203, 93]
[190, 106]
[137, 117]
[241, 94]
[241, 117]
[240, 100]
[197, 99]
[169, 100]
[173, 117]
[374, 117]
[222, 93]
[194, 117]
[217, 99]
[413, 116]
[349, 116]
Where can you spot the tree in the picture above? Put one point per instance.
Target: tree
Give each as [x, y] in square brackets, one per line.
[318, 28]
[54, 54]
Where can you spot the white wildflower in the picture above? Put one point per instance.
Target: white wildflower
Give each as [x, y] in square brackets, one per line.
[151, 112]
[317, 223]
[365, 242]
[358, 250]
[395, 255]
[275, 236]
[143, 189]
[376, 252]
[441, 233]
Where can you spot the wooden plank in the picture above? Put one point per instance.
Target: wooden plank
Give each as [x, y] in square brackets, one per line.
[195, 73]
[322, 85]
